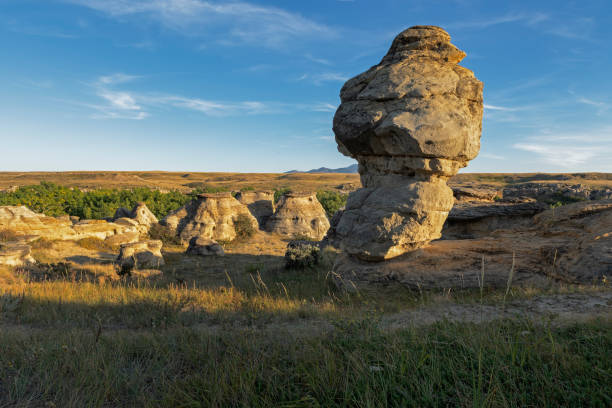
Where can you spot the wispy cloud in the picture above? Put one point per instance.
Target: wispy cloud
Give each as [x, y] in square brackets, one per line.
[485, 22]
[321, 78]
[125, 104]
[241, 22]
[572, 150]
[500, 108]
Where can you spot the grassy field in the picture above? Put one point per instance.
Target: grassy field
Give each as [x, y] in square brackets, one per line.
[241, 330]
[187, 181]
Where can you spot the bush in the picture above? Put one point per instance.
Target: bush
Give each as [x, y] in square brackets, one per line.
[54, 200]
[279, 192]
[244, 227]
[94, 244]
[302, 254]
[331, 201]
[165, 234]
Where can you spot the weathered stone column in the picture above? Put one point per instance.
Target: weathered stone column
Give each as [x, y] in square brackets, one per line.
[412, 122]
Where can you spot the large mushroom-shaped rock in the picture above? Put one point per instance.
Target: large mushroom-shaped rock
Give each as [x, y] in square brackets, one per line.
[299, 214]
[15, 254]
[411, 122]
[259, 203]
[211, 215]
[140, 255]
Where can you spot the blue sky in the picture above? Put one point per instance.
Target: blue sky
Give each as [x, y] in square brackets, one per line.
[194, 85]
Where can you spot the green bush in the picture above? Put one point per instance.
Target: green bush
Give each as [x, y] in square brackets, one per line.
[165, 234]
[54, 200]
[279, 192]
[244, 227]
[302, 254]
[331, 201]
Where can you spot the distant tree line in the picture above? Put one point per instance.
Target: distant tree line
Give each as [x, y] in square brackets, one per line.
[54, 200]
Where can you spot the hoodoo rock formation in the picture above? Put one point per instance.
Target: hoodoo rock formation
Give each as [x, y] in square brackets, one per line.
[211, 215]
[411, 122]
[259, 203]
[299, 214]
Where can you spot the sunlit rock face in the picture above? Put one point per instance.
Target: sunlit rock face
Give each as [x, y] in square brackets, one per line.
[412, 121]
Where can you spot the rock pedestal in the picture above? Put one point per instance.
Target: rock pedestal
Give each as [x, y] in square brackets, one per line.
[411, 122]
[211, 215]
[299, 214]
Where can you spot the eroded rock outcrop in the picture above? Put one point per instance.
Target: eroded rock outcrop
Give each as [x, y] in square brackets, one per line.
[211, 215]
[15, 254]
[411, 122]
[259, 203]
[26, 223]
[140, 255]
[572, 243]
[141, 216]
[204, 247]
[299, 214]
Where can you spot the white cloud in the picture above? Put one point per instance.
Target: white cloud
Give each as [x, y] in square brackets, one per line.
[319, 79]
[500, 108]
[125, 104]
[241, 22]
[573, 151]
[525, 18]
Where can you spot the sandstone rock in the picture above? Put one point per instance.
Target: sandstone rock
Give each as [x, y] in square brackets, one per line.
[141, 214]
[25, 222]
[204, 247]
[572, 243]
[558, 191]
[15, 254]
[465, 193]
[211, 215]
[411, 122]
[476, 220]
[140, 255]
[259, 203]
[299, 213]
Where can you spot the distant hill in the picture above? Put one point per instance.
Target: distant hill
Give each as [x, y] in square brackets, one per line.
[350, 169]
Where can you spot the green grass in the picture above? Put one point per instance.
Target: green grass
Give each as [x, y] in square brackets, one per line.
[354, 365]
[262, 336]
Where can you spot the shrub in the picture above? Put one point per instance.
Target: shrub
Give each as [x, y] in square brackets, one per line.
[94, 244]
[278, 193]
[54, 200]
[244, 227]
[165, 234]
[331, 201]
[302, 254]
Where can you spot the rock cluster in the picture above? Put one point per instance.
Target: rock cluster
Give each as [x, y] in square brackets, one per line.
[212, 216]
[259, 203]
[411, 122]
[572, 243]
[299, 214]
[28, 224]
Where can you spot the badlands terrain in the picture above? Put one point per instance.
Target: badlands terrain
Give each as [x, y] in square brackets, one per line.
[209, 320]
